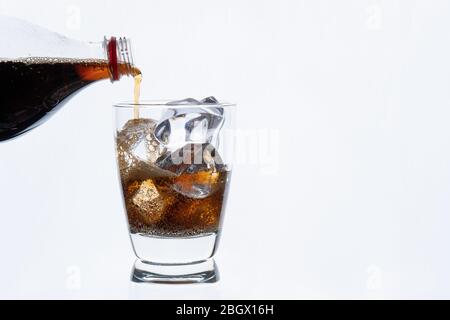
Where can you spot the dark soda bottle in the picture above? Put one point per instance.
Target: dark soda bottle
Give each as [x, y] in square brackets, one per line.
[33, 86]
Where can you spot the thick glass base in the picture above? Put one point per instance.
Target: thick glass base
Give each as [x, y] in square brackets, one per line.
[199, 272]
[174, 250]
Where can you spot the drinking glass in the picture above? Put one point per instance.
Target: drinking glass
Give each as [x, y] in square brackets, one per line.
[174, 161]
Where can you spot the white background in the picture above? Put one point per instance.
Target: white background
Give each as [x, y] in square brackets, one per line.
[353, 200]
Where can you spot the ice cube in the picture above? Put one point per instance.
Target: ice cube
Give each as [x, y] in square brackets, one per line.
[192, 101]
[209, 100]
[146, 203]
[133, 132]
[197, 185]
[191, 158]
[136, 141]
[194, 124]
[198, 169]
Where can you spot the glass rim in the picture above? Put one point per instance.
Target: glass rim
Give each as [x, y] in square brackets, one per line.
[164, 103]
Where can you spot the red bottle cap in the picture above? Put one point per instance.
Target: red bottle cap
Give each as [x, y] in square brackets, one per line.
[112, 57]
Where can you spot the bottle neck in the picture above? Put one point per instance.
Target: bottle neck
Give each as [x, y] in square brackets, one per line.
[120, 58]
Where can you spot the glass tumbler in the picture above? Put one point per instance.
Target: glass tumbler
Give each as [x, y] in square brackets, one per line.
[174, 161]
